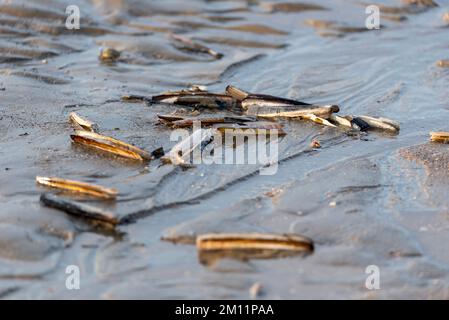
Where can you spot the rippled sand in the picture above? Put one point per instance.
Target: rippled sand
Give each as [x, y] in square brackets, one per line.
[367, 199]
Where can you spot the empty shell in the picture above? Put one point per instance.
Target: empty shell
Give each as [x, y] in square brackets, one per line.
[442, 137]
[257, 241]
[110, 145]
[78, 187]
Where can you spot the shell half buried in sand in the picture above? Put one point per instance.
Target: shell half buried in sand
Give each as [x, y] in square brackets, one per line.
[78, 209]
[251, 246]
[78, 187]
[442, 137]
[111, 145]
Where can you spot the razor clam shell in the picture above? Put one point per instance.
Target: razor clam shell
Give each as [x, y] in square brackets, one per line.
[268, 125]
[318, 120]
[340, 120]
[251, 128]
[442, 137]
[213, 247]
[256, 241]
[359, 124]
[187, 122]
[78, 187]
[82, 123]
[198, 99]
[78, 209]
[380, 123]
[186, 146]
[321, 111]
[167, 118]
[270, 102]
[106, 148]
[125, 149]
[266, 100]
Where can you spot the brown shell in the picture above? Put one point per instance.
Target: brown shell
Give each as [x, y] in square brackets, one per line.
[78, 187]
[110, 145]
[246, 241]
[439, 137]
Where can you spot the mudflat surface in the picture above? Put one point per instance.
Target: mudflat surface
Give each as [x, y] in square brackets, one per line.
[370, 199]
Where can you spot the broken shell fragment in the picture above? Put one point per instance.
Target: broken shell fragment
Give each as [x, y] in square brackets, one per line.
[255, 290]
[181, 152]
[443, 63]
[237, 93]
[251, 246]
[111, 145]
[109, 55]
[81, 123]
[189, 45]
[198, 88]
[78, 209]
[194, 89]
[78, 187]
[316, 119]
[442, 137]
[315, 144]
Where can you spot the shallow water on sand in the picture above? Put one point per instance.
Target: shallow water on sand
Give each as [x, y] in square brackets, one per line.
[373, 199]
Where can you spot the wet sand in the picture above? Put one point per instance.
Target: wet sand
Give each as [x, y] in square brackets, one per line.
[369, 199]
